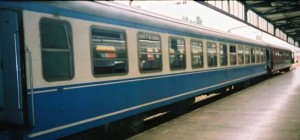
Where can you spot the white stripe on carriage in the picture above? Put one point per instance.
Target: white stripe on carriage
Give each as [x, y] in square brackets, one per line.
[42, 91]
[132, 108]
[102, 84]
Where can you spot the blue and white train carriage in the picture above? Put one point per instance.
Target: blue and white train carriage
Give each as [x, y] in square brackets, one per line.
[70, 66]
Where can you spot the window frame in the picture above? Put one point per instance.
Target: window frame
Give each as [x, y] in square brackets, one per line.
[253, 55]
[223, 44]
[91, 50]
[209, 42]
[261, 55]
[138, 52]
[243, 54]
[69, 35]
[249, 55]
[257, 54]
[236, 61]
[203, 62]
[169, 45]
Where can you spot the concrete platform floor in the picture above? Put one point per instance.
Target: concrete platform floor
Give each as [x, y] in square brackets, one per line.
[269, 110]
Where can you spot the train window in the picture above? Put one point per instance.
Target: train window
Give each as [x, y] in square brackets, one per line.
[149, 50]
[177, 53]
[109, 51]
[197, 54]
[252, 55]
[257, 54]
[247, 55]
[223, 54]
[232, 55]
[262, 55]
[241, 54]
[280, 55]
[212, 54]
[57, 52]
[285, 55]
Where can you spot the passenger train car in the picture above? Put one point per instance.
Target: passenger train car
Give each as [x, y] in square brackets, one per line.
[281, 58]
[71, 66]
[297, 56]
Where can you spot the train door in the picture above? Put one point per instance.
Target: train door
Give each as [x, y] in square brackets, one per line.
[10, 72]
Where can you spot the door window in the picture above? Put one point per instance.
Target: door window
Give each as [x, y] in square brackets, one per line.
[57, 53]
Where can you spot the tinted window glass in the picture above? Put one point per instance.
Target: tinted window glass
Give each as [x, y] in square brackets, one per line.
[57, 53]
[149, 49]
[109, 52]
[223, 54]
[211, 54]
[232, 55]
[177, 53]
[197, 54]
[252, 55]
[257, 54]
[241, 55]
[247, 55]
[262, 55]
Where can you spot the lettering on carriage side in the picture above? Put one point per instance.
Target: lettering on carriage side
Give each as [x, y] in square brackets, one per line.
[132, 108]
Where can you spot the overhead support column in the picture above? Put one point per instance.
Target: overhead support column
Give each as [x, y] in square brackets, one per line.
[246, 14]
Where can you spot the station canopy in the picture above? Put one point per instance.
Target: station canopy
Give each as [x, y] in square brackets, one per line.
[284, 15]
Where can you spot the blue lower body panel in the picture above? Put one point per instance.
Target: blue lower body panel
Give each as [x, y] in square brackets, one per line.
[67, 111]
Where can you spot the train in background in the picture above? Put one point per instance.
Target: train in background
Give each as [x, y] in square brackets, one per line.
[297, 56]
[280, 59]
[67, 67]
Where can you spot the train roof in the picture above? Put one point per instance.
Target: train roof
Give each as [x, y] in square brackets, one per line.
[160, 22]
[113, 13]
[284, 47]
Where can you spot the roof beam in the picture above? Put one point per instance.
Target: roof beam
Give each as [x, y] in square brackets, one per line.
[281, 10]
[261, 4]
[285, 26]
[294, 33]
[287, 19]
[283, 18]
[278, 6]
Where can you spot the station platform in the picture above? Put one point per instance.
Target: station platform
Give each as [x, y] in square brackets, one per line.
[269, 110]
